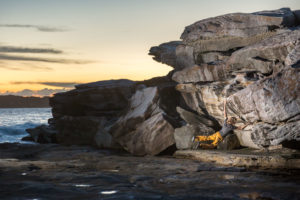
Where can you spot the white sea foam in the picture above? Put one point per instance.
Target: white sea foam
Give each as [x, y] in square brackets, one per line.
[109, 192]
[14, 121]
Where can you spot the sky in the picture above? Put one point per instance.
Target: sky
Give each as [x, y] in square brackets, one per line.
[48, 46]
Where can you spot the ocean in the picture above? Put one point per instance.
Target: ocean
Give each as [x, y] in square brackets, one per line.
[14, 121]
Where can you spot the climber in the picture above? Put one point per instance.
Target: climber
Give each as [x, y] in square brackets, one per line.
[219, 135]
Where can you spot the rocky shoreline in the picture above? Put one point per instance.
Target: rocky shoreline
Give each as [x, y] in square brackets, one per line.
[51, 171]
[119, 136]
[251, 59]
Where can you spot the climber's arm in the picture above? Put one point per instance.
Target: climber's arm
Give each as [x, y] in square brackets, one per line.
[243, 126]
[225, 113]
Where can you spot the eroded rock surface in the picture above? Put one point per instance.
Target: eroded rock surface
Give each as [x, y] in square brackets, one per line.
[144, 130]
[236, 30]
[252, 60]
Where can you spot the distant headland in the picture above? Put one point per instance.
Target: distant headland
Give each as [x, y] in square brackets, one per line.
[11, 101]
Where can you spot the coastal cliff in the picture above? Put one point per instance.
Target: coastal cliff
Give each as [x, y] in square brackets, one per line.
[252, 59]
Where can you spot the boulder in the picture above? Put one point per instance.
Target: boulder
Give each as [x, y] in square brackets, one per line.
[43, 134]
[183, 135]
[236, 30]
[213, 57]
[297, 16]
[144, 129]
[104, 140]
[203, 120]
[230, 142]
[197, 124]
[273, 100]
[103, 98]
[151, 137]
[79, 130]
[268, 55]
[208, 97]
[264, 135]
[202, 73]
[165, 53]
[174, 54]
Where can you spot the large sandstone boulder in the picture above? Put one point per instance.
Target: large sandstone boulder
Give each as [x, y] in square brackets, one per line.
[196, 124]
[202, 73]
[268, 55]
[43, 134]
[236, 30]
[272, 100]
[83, 116]
[174, 54]
[103, 98]
[251, 59]
[144, 129]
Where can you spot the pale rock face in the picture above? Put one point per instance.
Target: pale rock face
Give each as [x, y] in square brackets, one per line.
[183, 136]
[151, 137]
[293, 57]
[235, 30]
[264, 135]
[202, 73]
[269, 55]
[273, 100]
[144, 130]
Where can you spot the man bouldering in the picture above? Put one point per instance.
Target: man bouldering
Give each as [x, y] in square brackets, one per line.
[216, 138]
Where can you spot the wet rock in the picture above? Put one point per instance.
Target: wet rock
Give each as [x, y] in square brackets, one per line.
[82, 172]
[43, 134]
[27, 138]
[235, 30]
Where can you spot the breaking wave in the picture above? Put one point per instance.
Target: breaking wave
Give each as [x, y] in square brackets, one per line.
[14, 122]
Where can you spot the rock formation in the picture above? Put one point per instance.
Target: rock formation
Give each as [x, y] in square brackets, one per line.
[252, 59]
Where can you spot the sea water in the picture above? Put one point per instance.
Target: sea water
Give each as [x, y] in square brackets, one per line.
[14, 121]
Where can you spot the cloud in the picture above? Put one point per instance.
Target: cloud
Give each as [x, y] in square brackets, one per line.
[11, 49]
[48, 60]
[55, 84]
[26, 67]
[37, 27]
[28, 92]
